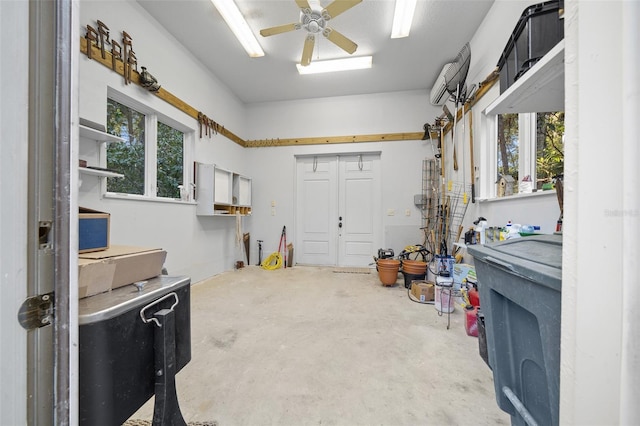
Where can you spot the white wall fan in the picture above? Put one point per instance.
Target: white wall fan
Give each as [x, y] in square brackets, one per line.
[314, 21]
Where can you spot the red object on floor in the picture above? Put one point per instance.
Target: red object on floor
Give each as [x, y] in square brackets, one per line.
[471, 321]
[474, 297]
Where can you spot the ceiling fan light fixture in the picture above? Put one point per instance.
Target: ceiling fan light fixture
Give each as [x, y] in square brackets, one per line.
[334, 65]
[402, 18]
[234, 19]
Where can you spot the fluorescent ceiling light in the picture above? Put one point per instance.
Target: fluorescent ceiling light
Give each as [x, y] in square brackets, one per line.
[348, 64]
[402, 18]
[239, 26]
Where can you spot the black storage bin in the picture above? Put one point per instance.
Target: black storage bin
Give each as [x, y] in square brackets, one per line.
[408, 278]
[520, 284]
[116, 353]
[538, 30]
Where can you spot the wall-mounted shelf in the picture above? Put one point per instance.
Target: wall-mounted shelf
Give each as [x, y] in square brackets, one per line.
[541, 89]
[100, 173]
[97, 135]
[221, 192]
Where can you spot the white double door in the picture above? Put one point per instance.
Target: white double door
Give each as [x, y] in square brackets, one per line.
[338, 202]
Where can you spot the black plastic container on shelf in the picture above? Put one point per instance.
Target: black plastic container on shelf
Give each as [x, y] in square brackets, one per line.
[538, 30]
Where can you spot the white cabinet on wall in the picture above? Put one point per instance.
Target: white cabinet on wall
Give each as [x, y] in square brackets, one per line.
[221, 192]
[90, 151]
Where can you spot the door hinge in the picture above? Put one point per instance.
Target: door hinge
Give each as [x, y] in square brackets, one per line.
[36, 311]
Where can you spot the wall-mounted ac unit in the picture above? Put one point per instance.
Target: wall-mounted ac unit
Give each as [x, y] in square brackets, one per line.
[439, 94]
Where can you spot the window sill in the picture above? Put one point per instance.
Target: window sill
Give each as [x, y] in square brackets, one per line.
[519, 196]
[133, 197]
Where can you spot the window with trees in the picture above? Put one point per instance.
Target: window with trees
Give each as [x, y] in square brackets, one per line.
[152, 156]
[530, 149]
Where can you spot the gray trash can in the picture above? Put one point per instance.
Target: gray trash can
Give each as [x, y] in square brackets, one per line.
[520, 283]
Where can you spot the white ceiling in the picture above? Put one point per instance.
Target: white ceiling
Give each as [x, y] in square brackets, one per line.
[440, 28]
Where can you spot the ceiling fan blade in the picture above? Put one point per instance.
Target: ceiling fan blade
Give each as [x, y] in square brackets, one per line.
[339, 40]
[279, 29]
[340, 6]
[307, 51]
[303, 4]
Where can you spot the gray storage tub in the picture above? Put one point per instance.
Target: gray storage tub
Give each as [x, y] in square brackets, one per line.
[520, 284]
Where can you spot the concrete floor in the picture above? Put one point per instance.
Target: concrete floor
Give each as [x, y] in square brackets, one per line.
[306, 345]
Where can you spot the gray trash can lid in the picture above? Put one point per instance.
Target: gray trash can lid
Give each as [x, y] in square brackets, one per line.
[537, 257]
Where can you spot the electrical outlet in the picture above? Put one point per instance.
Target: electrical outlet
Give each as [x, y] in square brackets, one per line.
[273, 211]
[391, 212]
[407, 212]
[273, 203]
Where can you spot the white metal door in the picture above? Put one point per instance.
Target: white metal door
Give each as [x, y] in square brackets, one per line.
[358, 209]
[316, 212]
[338, 202]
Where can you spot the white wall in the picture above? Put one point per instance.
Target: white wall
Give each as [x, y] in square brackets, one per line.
[600, 333]
[209, 247]
[273, 168]
[196, 246]
[487, 45]
[14, 131]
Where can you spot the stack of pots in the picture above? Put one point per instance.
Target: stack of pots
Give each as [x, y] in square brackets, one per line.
[413, 270]
[388, 271]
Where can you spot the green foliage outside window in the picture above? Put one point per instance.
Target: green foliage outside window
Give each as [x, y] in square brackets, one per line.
[170, 161]
[508, 143]
[126, 157]
[549, 147]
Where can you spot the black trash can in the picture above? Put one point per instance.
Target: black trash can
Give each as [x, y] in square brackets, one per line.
[117, 356]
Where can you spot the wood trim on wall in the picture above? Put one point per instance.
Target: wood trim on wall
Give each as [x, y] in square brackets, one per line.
[381, 137]
[96, 54]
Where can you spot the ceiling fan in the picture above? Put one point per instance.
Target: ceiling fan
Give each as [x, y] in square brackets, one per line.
[314, 20]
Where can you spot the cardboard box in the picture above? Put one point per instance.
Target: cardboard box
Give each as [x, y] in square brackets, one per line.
[131, 263]
[94, 277]
[424, 291]
[93, 230]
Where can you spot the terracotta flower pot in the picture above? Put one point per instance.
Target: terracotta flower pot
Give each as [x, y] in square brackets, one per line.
[388, 262]
[388, 271]
[414, 267]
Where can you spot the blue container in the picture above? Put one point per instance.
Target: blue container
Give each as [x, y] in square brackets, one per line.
[93, 230]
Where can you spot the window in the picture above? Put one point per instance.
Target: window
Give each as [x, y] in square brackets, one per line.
[170, 161]
[127, 157]
[549, 147]
[508, 141]
[529, 152]
[152, 156]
